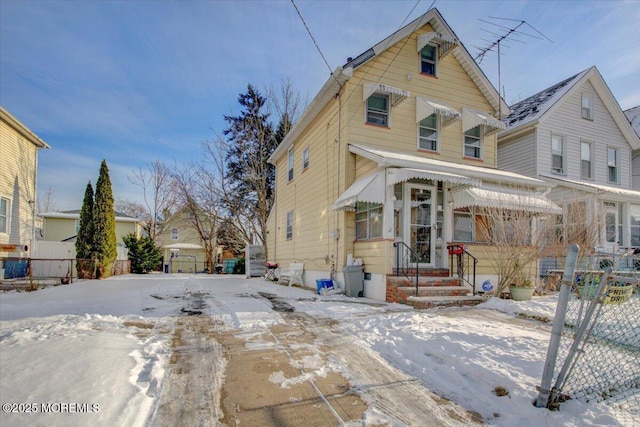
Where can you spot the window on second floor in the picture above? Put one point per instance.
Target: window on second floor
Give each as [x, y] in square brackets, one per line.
[586, 160]
[4, 215]
[587, 110]
[290, 165]
[612, 164]
[174, 234]
[473, 142]
[368, 221]
[428, 137]
[557, 154]
[378, 109]
[428, 60]
[305, 159]
[289, 228]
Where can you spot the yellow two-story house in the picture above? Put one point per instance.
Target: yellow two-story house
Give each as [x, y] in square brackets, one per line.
[398, 147]
[19, 149]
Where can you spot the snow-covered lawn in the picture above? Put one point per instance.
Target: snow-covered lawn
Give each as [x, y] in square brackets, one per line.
[95, 352]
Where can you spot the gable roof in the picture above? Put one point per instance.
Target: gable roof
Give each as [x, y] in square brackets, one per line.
[633, 115]
[334, 83]
[75, 214]
[22, 129]
[536, 108]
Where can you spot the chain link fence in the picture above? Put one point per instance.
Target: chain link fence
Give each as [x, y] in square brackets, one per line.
[594, 351]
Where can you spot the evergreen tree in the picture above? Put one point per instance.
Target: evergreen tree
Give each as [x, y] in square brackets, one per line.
[104, 223]
[144, 255]
[84, 239]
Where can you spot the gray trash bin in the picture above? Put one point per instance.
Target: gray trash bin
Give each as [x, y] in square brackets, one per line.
[353, 280]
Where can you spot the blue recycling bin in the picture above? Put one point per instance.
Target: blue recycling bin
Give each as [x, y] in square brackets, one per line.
[322, 284]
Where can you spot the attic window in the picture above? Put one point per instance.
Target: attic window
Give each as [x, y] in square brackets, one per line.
[587, 112]
[429, 60]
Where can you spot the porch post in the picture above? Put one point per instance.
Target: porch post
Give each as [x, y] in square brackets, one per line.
[447, 223]
[387, 210]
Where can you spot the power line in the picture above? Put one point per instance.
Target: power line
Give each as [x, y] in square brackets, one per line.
[311, 35]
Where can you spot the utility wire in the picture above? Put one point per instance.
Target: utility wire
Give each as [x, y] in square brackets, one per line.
[311, 35]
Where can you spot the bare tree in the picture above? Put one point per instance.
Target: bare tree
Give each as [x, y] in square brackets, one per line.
[193, 185]
[133, 209]
[156, 182]
[285, 101]
[46, 201]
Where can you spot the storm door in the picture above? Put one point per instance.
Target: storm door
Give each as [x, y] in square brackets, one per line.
[420, 220]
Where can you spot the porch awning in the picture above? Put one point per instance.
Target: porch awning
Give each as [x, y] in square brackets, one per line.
[472, 118]
[528, 202]
[182, 246]
[446, 43]
[613, 193]
[396, 175]
[397, 95]
[369, 188]
[426, 107]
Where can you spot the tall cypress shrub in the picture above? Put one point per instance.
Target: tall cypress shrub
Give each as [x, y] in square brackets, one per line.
[84, 239]
[104, 223]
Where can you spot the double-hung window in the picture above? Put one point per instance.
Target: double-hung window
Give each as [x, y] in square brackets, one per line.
[378, 109]
[289, 225]
[428, 60]
[473, 142]
[557, 154]
[428, 138]
[612, 164]
[587, 110]
[290, 165]
[368, 221]
[4, 215]
[586, 160]
[305, 159]
[174, 234]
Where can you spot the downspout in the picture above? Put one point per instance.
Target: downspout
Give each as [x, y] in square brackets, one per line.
[336, 214]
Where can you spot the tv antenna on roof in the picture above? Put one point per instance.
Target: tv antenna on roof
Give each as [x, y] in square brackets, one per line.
[503, 33]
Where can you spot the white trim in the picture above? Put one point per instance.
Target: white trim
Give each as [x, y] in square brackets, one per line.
[396, 175]
[614, 193]
[426, 38]
[182, 246]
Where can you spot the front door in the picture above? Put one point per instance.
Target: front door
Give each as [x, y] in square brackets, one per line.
[420, 218]
[611, 229]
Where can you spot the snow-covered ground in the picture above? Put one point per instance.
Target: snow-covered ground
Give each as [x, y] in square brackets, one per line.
[96, 352]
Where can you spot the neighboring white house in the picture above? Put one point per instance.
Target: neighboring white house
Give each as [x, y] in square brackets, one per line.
[575, 135]
[633, 114]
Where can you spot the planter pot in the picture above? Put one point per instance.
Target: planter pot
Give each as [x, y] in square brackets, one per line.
[521, 294]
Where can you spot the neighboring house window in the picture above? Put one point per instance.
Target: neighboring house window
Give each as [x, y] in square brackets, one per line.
[378, 109]
[77, 226]
[4, 215]
[428, 59]
[174, 234]
[428, 138]
[635, 225]
[368, 221]
[290, 164]
[557, 154]
[305, 159]
[587, 111]
[612, 164]
[473, 142]
[586, 160]
[289, 225]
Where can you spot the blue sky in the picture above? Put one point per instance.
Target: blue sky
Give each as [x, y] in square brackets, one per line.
[138, 81]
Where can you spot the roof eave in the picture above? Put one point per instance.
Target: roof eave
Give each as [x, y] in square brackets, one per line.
[22, 129]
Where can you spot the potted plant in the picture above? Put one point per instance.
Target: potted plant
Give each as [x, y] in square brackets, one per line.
[522, 288]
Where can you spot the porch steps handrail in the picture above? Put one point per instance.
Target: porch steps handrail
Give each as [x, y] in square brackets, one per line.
[464, 260]
[404, 254]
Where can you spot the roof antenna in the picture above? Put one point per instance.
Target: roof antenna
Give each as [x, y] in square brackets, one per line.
[501, 34]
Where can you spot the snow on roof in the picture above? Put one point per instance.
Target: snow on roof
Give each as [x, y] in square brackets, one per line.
[536, 105]
[633, 114]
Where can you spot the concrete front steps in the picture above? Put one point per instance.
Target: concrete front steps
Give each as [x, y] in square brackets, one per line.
[433, 291]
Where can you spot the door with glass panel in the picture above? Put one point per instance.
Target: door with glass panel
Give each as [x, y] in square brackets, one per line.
[611, 229]
[420, 220]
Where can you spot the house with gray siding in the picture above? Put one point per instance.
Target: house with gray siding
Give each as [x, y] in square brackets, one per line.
[633, 114]
[575, 136]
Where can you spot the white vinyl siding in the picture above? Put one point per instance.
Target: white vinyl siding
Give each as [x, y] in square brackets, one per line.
[519, 155]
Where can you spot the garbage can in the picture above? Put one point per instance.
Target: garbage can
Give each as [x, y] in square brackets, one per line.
[166, 268]
[353, 280]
